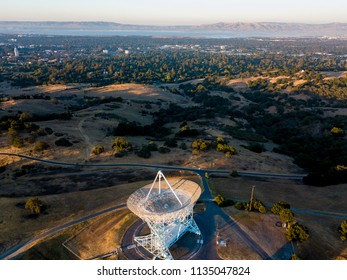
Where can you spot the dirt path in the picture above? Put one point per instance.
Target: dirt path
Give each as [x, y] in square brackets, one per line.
[88, 144]
[84, 132]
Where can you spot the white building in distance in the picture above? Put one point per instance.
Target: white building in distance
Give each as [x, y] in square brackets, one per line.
[16, 52]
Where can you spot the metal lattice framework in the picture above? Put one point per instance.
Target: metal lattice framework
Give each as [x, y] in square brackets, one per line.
[167, 208]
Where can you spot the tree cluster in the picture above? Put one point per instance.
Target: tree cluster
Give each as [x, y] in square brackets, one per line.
[98, 149]
[150, 63]
[256, 205]
[295, 231]
[279, 206]
[34, 205]
[21, 130]
[219, 144]
[144, 152]
[222, 201]
[199, 145]
[120, 145]
[135, 129]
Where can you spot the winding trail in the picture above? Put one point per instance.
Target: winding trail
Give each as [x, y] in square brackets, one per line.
[88, 144]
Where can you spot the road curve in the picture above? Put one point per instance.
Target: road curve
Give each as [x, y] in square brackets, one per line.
[199, 171]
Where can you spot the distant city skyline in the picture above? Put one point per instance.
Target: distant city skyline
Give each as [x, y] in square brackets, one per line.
[178, 12]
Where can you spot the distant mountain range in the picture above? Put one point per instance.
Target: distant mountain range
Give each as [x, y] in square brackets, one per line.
[239, 29]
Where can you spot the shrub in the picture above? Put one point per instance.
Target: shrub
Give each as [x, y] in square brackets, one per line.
[241, 205]
[258, 205]
[49, 130]
[343, 230]
[228, 154]
[40, 146]
[187, 132]
[34, 205]
[120, 144]
[25, 117]
[336, 131]
[221, 201]
[171, 142]
[164, 150]
[256, 148]
[262, 209]
[183, 146]
[297, 232]
[98, 149]
[40, 132]
[294, 257]
[199, 145]
[17, 142]
[286, 215]
[229, 151]
[120, 154]
[63, 142]
[278, 206]
[152, 146]
[144, 152]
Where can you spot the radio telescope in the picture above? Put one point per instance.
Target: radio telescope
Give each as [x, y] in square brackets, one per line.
[167, 208]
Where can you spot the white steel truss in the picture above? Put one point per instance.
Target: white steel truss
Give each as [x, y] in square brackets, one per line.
[165, 232]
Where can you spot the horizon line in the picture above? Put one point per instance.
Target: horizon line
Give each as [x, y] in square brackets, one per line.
[192, 24]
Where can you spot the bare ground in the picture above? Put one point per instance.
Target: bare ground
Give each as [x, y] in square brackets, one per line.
[324, 241]
[261, 228]
[16, 226]
[102, 236]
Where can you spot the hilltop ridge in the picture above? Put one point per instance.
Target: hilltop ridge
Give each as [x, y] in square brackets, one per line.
[233, 29]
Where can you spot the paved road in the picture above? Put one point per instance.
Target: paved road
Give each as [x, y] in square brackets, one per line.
[199, 171]
[206, 223]
[320, 213]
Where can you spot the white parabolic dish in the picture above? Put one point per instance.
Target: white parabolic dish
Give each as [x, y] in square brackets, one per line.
[159, 203]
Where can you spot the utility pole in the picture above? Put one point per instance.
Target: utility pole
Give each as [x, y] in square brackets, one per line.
[251, 200]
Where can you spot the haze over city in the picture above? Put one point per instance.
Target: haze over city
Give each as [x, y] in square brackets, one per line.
[176, 12]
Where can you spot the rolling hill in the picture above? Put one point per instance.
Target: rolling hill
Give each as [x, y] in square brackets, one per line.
[238, 29]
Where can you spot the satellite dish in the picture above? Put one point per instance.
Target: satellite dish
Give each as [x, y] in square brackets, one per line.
[167, 207]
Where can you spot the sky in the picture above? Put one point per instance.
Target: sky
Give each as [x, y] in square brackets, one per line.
[180, 12]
